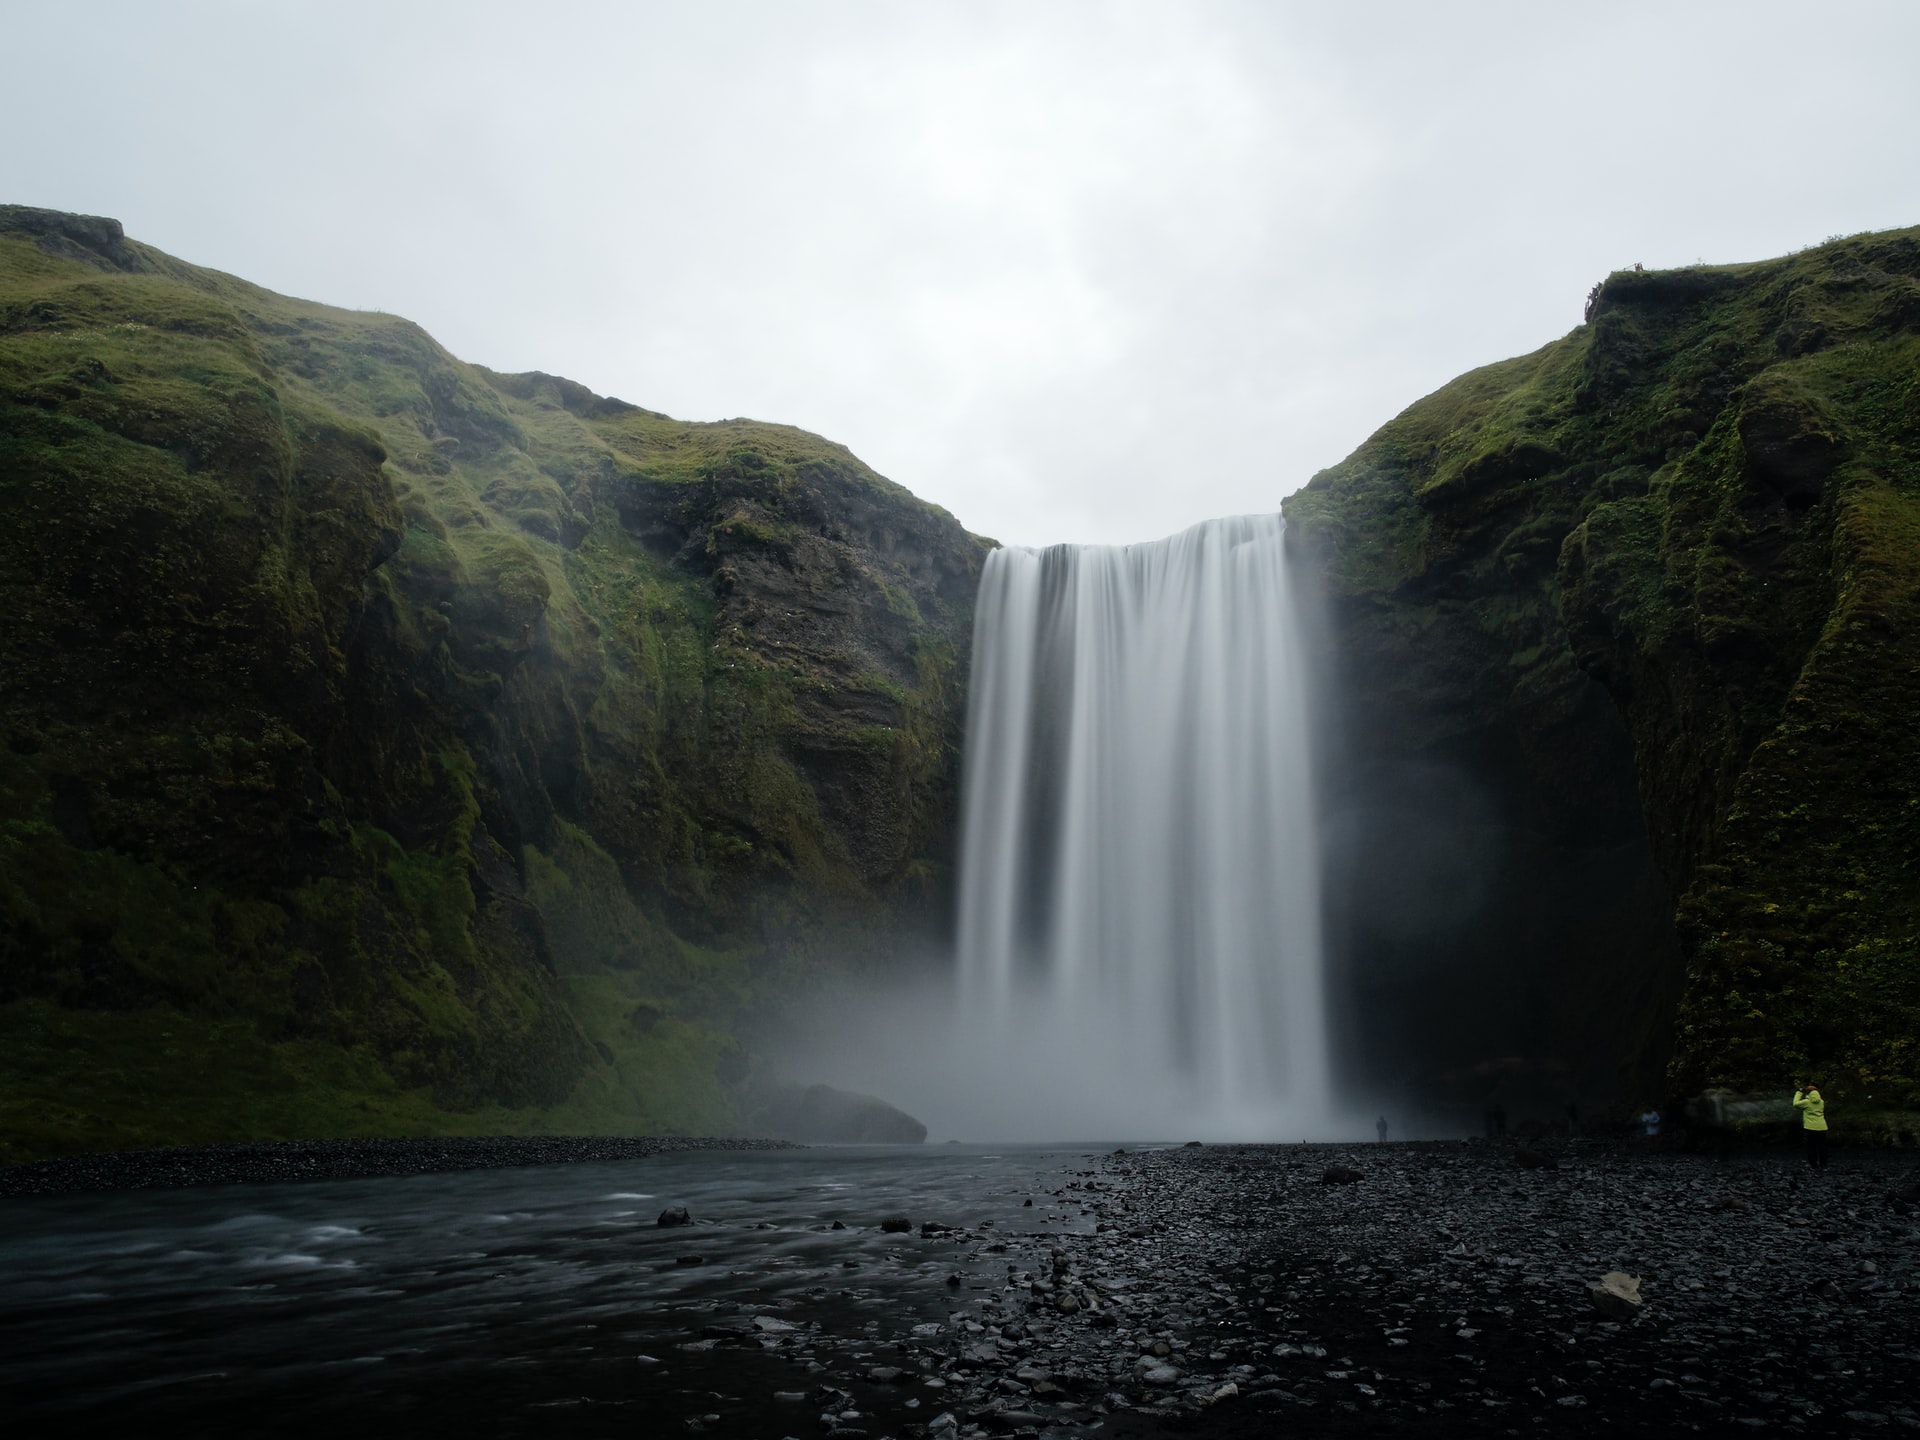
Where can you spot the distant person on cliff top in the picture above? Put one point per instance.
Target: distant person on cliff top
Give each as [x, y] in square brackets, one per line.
[1381, 1126]
[1651, 1119]
[1813, 1122]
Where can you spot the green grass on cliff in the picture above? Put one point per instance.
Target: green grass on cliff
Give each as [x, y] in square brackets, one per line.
[1708, 499]
[383, 735]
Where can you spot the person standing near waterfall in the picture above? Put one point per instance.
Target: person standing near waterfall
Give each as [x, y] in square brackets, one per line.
[1813, 1122]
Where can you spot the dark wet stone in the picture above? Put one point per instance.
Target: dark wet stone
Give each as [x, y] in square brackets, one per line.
[896, 1225]
[674, 1215]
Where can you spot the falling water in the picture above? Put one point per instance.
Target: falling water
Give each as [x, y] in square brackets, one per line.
[1139, 892]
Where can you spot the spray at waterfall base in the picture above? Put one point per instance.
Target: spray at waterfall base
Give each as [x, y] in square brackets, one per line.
[1139, 948]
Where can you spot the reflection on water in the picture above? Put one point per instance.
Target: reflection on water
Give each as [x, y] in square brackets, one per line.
[497, 1297]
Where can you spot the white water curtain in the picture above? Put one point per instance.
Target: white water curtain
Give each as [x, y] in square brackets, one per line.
[1139, 890]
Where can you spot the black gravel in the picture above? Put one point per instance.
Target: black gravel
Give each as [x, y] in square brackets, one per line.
[1232, 1292]
[282, 1160]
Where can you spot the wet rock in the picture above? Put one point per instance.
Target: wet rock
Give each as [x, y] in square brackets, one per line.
[690, 1260]
[822, 1115]
[1339, 1175]
[1617, 1295]
[1160, 1375]
[674, 1215]
[1528, 1159]
[896, 1225]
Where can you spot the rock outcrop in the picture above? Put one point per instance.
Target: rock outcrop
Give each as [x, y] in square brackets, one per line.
[1629, 769]
[820, 1114]
[390, 745]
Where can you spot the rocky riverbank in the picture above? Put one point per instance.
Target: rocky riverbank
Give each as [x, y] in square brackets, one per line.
[971, 1293]
[274, 1162]
[1443, 1290]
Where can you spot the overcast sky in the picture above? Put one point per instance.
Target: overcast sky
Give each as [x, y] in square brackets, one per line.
[1074, 271]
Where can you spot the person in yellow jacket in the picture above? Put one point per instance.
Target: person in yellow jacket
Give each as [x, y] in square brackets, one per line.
[1813, 1122]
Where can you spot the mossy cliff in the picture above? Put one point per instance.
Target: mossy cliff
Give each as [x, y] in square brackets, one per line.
[391, 745]
[1640, 612]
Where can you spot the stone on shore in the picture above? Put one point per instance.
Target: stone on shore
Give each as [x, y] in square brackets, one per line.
[1617, 1295]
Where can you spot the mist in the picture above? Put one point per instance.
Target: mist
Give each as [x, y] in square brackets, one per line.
[907, 1042]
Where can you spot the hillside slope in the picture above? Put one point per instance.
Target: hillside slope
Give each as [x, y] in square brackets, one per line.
[1648, 598]
[391, 745]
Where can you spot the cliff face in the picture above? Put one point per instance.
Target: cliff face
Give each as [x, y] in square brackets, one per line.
[390, 744]
[1629, 769]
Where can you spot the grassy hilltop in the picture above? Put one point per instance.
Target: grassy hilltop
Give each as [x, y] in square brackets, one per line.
[1688, 533]
[388, 745]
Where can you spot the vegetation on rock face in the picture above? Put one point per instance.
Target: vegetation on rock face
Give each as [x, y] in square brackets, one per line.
[1705, 504]
[391, 746]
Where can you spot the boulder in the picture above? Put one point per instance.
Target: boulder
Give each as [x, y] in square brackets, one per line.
[1617, 1295]
[822, 1115]
[675, 1215]
[1339, 1175]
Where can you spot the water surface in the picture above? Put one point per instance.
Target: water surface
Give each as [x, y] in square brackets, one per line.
[499, 1298]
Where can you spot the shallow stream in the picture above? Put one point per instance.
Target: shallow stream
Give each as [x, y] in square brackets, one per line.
[535, 1300]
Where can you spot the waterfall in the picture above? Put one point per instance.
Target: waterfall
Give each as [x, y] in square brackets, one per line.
[1139, 886]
